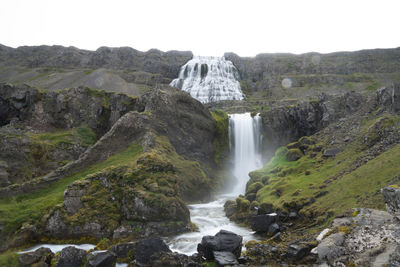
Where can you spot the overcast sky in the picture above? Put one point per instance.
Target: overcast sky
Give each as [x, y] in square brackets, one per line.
[206, 27]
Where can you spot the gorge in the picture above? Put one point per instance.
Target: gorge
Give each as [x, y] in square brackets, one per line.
[141, 164]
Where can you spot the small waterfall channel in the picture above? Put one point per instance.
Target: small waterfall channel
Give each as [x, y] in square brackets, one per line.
[245, 143]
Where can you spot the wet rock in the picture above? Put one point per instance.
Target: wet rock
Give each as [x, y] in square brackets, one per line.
[143, 249]
[292, 215]
[39, 257]
[273, 229]
[261, 223]
[223, 258]
[71, 256]
[102, 259]
[222, 241]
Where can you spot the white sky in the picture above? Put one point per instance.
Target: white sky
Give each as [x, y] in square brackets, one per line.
[206, 27]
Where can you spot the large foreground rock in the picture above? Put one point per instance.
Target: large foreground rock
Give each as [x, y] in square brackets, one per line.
[40, 257]
[222, 241]
[71, 256]
[141, 251]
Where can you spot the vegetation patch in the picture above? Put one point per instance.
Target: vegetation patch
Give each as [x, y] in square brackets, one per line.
[221, 141]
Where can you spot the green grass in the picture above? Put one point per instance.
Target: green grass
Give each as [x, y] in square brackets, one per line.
[69, 137]
[292, 184]
[9, 259]
[14, 211]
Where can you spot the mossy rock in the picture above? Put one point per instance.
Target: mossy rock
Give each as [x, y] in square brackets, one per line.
[293, 145]
[294, 154]
[253, 188]
[242, 204]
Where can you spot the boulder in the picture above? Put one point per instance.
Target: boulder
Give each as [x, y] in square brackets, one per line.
[144, 249]
[102, 259]
[40, 257]
[298, 251]
[222, 241]
[261, 223]
[273, 229]
[391, 196]
[294, 154]
[223, 258]
[331, 152]
[71, 256]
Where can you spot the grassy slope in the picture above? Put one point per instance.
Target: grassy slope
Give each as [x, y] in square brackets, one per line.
[15, 211]
[288, 185]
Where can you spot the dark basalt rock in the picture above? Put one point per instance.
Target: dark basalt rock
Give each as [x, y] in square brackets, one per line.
[261, 223]
[222, 241]
[298, 252]
[145, 248]
[102, 259]
[223, 258]
[39, 257]
[71, 256]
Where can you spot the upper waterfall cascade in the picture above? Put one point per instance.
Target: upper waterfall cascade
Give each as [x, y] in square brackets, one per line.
[209, 79]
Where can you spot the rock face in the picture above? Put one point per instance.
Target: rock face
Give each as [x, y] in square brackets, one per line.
[264, 75]
[223, 241]
[65, 109]
[153, 61]
[288, 123]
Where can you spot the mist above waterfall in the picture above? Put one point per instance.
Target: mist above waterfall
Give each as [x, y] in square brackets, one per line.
[209, 79]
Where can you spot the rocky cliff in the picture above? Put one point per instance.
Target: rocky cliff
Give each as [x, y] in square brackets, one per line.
[312, 73]
[121, 69]
[156, 152]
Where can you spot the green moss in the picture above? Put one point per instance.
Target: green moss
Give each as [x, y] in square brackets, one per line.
[221, 138]
[253, 188]
[104, 244]
[9, 259]
[242, 204]
[87, 136]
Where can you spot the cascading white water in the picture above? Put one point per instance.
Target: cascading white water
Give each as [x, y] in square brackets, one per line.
[245, 143]
[209, 79]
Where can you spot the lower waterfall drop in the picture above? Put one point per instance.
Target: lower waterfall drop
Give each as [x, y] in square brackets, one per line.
[245, 143]
[245, 140]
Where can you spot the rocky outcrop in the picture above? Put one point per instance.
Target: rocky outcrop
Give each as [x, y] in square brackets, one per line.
[154, 61]
[64, 109]
[285, 124]
[391, 196]
[186, 123]
[312, 72]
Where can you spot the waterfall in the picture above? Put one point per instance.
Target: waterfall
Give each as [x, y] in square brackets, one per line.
[245, 145]
[209, 79]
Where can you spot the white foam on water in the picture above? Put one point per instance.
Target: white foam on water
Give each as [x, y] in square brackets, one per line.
[209, 79]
